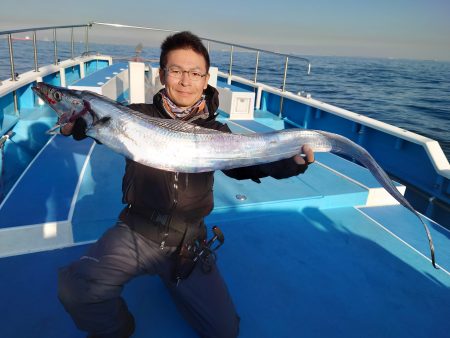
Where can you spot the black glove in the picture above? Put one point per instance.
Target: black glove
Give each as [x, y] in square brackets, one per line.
[79, 129]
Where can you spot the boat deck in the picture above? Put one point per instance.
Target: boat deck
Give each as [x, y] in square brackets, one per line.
[303, 256]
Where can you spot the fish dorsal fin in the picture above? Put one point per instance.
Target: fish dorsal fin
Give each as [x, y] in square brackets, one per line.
[181, 126]
[173, 125]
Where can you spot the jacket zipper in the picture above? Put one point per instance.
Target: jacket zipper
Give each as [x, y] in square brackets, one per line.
[172, 210]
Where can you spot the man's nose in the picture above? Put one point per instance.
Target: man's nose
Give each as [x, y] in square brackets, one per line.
[185, 79]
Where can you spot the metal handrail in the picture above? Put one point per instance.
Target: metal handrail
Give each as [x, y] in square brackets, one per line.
[118, 25]
[283, 87]
[55, 47]
[87, 26]
[11, 57]
[40, 29]
[10, 39]
[35, 53]
[201, 37]
[232, 46]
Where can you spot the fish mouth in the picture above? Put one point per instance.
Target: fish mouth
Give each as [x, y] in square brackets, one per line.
[42, 91]
[38, 92]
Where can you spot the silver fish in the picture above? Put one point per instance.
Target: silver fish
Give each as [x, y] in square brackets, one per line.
[183, 147]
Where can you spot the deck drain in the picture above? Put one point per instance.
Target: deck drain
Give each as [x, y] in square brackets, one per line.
[241, 197]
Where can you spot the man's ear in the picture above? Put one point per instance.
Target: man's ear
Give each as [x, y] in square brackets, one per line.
[162, 78]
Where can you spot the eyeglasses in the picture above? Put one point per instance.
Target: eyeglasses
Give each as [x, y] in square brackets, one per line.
[177, 73]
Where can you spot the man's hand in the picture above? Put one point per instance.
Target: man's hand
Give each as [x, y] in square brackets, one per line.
[309, 156]
[66, 130]
[77, 129]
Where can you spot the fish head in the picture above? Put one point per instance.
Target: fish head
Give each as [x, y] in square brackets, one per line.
[68, 104]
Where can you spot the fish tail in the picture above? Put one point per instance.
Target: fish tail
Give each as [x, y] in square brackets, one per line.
[430, 241]
[346, 147]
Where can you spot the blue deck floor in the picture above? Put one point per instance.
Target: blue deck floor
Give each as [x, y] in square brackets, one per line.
[318, 273]
[300, 259]
[39, 198]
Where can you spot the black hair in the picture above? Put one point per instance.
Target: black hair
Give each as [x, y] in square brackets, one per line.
[183, 40]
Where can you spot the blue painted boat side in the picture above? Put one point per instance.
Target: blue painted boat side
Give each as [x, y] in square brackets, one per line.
[26, 97]
[399, 157]
[72, 74]
[53, 79]
[8, 117]
[402, 159]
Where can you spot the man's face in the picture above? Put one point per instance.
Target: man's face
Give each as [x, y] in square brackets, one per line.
[184, 91]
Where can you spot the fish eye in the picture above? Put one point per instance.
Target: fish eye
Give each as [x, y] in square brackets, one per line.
[57, 95]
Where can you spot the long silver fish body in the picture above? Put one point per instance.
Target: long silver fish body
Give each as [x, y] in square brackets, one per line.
[178, 146]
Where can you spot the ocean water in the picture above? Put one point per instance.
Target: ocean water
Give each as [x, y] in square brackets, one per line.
[411, 94]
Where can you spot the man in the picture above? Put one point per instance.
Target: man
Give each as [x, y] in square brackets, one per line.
[163, 217]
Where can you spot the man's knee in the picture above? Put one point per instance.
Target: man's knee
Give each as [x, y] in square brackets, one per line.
[69, 287]
[77, 287]
[94, 307]
[232, 329]
[73, 291]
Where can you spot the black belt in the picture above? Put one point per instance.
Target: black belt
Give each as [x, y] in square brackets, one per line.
[162, 228]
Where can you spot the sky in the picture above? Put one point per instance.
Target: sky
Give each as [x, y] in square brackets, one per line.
[413, 29]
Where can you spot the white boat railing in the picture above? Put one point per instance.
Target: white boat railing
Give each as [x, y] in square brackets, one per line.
[432, 147]
[9, 35]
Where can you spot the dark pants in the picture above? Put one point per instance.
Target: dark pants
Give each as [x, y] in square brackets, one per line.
[90, 288]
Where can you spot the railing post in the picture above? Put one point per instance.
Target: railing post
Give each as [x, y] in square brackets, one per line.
[207, 46]
[231, 65]
[256, 67]
[11, 58]
[36, 66]
[86, 40]
[55, 47]
[71, 44]
[283, 87]
[285, 74]
[16, 103]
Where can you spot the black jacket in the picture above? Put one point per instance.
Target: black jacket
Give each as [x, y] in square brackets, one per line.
[190, 196]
